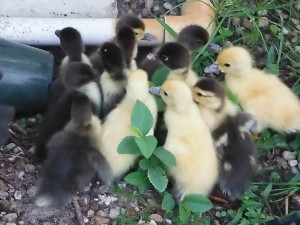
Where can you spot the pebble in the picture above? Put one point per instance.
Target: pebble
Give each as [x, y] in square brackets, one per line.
[295, 21]
[263, 12]
[294, 40]
[21, 222]
[236, 21]
[21, 174]
[29, 168]
[85, 219]
[10, 224]
[98, 220]
[2, 222]
[287, 155]
[94, 206]
[152, 222]
[297, 49]
[247, 23]
[11, 217]
[149, 4]
[156, 217]
[113, 213]
[46, 223]
[31, 191]
[263, 22]
[285, 31]
[168, 221]
[293, 163]
[90, 213]
[18, 195]
[102, 213]
[10, 146]
[168, 5]
[297, 6]
[3, 186]
[282, 162]
[295, 170]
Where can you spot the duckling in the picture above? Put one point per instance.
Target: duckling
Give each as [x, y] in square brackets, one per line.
[189, 139]
[113, 81]
[74, 158]
[177, 58]
[193, 37]
[133, 22]
[263, 95]
[118, 122]
[231, 131]
[76, 77]
[72, 45]
[7, 114]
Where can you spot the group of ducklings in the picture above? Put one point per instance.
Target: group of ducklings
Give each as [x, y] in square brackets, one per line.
[91, 101]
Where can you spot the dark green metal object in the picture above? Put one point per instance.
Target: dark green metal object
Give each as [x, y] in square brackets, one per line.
[27, 74]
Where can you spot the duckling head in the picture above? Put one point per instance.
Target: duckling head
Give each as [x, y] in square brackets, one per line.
[77, 74]
[71, 42]
[174, 55]
[234, 61]
[133, 22]
[209, 93]
[193, 37]
[112, 60]
[176, 94]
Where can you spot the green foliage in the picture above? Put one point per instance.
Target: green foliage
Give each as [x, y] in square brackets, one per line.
[160, 76]
[168, 202]
[157, 177]
[166, 26]
[141, 119]
[165, 156]
[128, 146]
[197, 203]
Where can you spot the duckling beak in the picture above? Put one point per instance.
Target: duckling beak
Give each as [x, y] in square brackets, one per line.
[212, 69]
[154, 90]
[57, 33]
[148, 37]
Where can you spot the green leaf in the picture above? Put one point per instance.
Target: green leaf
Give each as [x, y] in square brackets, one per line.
[144, 164]
[135, 178]
[160, 75]
[158, 178]
[146, 145]
[165, 156]
[296, 89]
[141, 118]
[271, 56]
[275, 29]
[272, 69]
[136, 130]
[268, 190]
[197, 203]
[128, 146]
[168, 202]
[183, 214]
[296, 178]
[166, 26]
[295, 144]
[144, 187]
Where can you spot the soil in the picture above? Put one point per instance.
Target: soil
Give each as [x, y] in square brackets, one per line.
[95, 204]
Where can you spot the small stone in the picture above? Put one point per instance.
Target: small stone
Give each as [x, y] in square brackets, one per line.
[10, 146]
[247, 23]
[295, 21]
[113, 213]
[297, 6]
[90, 213]
[29, 168]
[3, 186]
[263, 12]
[21, 222]
[46, 223]
[131, 213]
[168, 5]
[11, 217]
[31, 191]
[149, 4]
[156, 217]
[98, 220]
[168, 221]
[294, 40]
[295, 170]
[297, 49]
[18, 195]
[94, 206]
[282, 162]
[236, 21]
[87, 189]
[293, 163]
[287, 155]
[2, 222]
[156, 8]
[102, 213]
[263, 22]
[10, 224]
[285, 31]
[85, 219]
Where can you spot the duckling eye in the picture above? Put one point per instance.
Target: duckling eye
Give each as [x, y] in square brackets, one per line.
[165, 58]
[165, 93]
[136, 33]
[199, 94]
[227, 64]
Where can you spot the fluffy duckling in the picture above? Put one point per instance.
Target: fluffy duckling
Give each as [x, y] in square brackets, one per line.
[263, 95]
[134, 22]
[7, 114]
[72, 45]
[113, 81]
[193, 37]
[74, 158]
[177, 58]
[189, 139]
[76, 77]
[118, 122]
[231, 131]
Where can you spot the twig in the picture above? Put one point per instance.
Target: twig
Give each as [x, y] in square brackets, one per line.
[217, 199]
[267, 204]
[286, 203]
[78, 212]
